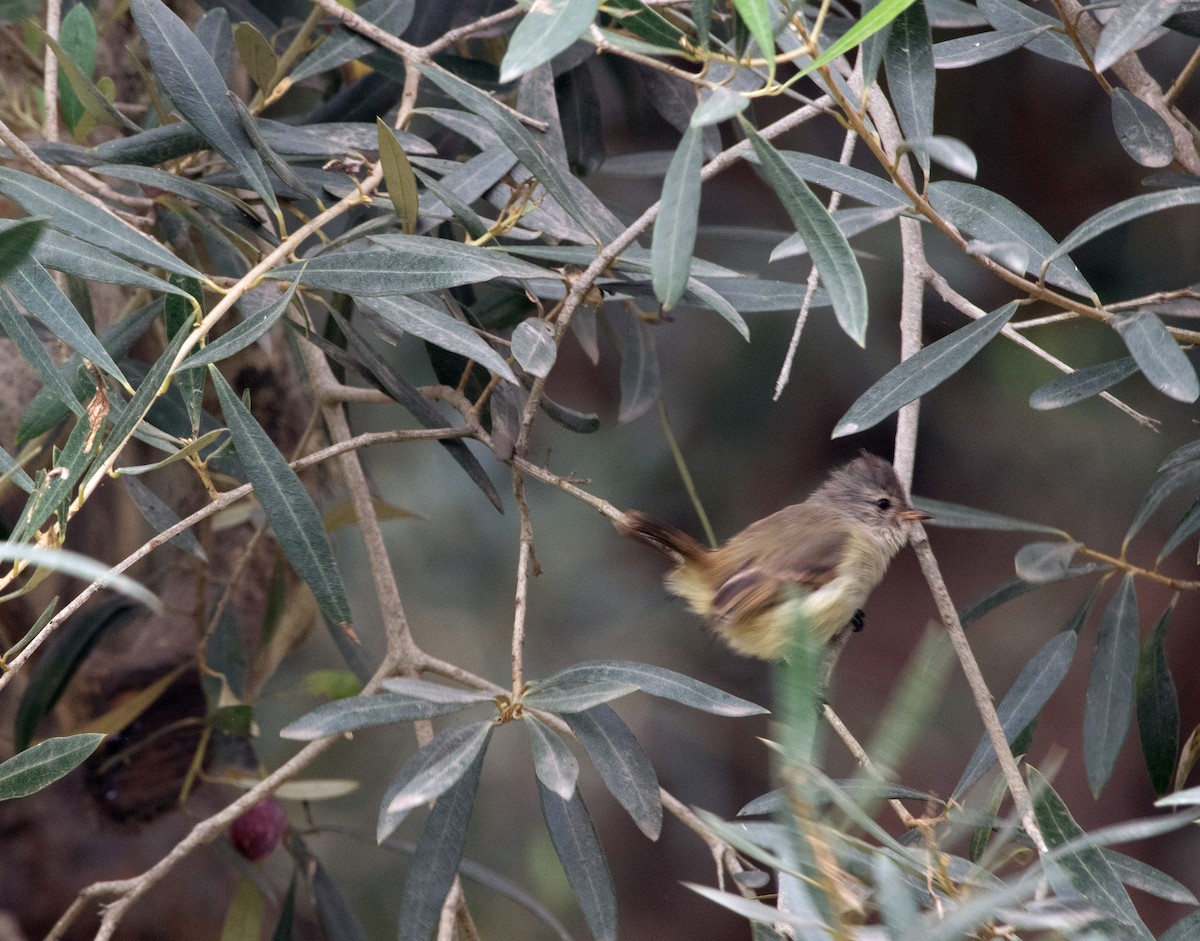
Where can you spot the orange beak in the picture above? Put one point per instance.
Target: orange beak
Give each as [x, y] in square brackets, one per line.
[914, 516]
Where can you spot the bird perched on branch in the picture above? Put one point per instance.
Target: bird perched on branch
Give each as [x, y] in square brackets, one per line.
[814, 562]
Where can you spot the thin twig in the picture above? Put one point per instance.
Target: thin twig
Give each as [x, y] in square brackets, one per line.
[526, 565]
[50, 72]
[810, 287]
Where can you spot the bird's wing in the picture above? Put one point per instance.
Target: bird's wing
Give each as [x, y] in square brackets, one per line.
[759, 582]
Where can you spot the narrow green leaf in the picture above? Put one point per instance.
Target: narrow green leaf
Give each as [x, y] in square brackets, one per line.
[705, 295]
[33, 351]
[1084, 870]
[830, 251]
[1158, 707]
[398, 174]
[1041, 563]
[576, 695]
[994, 598]
[45, 302]
[1138, 875]
[256, 54]
[878, 18]
[1111, 685]
[76, 216]
[1022, 704]
[17, 241]
[436, 326]
[645, 22]
[717, 105]
[183, 313]
[90, 97]
[289, 508]
[989, 217]
[868, 187]
[757, 18]
[343, 45]
[922, 372]
[245, 333]
[44, 763]
[1081, 384]
[1158, 355]
[81, 567]
[407, 264]
[361, 712]
[337, 919]
[196, 87]
[202, 194]
[1008, 15]
[70, 255]
[435, 692]
[1125, 211]
[851, 221]
[438, 855]
[271, 160]
[657, 681]
[547, 28]
[556, 767]
[950, 152]
[533, 346]
[432, 771]
[568, 192]
[640, 381]
[1132, 22]
[678, 216]
[972, 50]
[160, 516]
[1165, 484]
[908, 61]
[1141, 130]
[77, 37]
[1186, 929]
[1186, 528]
[622, 763]
[578, 848]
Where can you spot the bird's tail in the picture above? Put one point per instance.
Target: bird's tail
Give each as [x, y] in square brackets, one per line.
[662, 536]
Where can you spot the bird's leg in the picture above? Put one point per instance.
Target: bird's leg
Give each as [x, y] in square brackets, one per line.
[833, 650]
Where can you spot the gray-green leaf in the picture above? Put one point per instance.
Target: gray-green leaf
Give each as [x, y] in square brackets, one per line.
[533, 346]
[1158, 707]
[1082, 384]
[921, 372]
[437, 856]
[195, 85]
[44, 763]
[549, 27]
[76, 216]
[578, 848]
[432, 771]
[1158, 355]
[908, 61]
[657, 681]
[556, 767]
[17, 242]
[989, 217]
[1041, 563]
[1038, 680]
[622, 763]
[830, 251]
[361, 712]
[678, 216]
[1111, 685]
[1131, 23]
[1141, 130]
[289, 508]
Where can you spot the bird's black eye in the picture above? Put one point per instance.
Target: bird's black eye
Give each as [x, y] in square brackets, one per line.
[884, 504]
